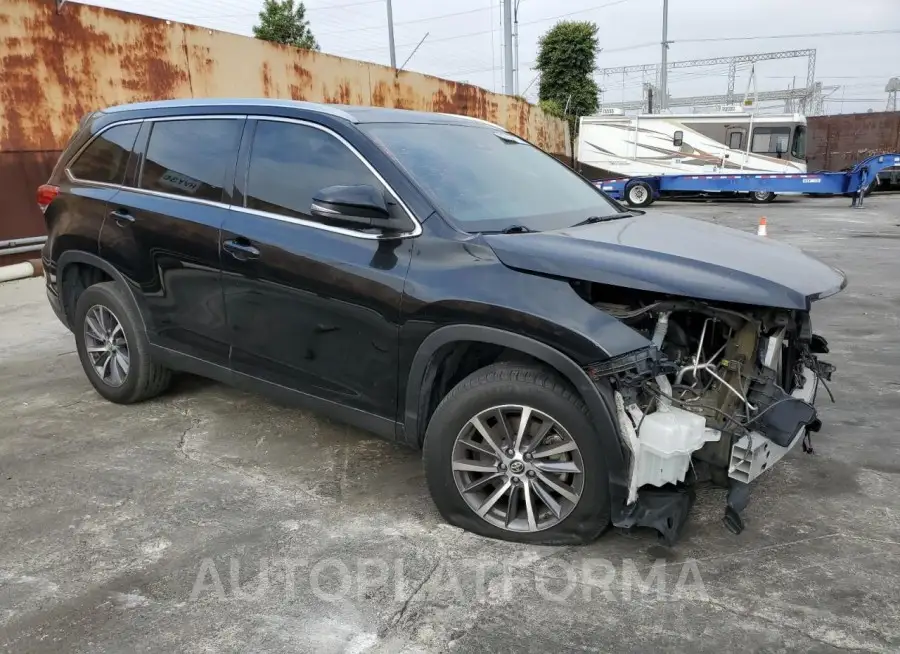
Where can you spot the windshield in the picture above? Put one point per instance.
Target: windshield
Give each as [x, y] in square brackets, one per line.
[488, 180]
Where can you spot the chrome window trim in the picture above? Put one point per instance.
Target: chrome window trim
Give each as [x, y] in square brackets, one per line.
[84, 147]
[417, 226]
[417, 229]
[132, 121]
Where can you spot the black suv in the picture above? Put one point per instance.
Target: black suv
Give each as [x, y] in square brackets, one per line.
[439, 281]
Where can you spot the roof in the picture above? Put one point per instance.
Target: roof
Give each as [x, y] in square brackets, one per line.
[720, 116]
[350, 113]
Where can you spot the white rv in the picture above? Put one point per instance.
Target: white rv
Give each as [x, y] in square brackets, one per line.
[732, 141]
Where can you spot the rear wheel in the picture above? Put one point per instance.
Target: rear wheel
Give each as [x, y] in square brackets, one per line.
[639, 194]
[762, 196]
[511, 453]
[113, 347]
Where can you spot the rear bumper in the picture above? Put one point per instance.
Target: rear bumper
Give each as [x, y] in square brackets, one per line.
[53, 291]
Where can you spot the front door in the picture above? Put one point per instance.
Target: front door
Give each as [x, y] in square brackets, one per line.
[162, 230]
[311, 306]
[735, 148]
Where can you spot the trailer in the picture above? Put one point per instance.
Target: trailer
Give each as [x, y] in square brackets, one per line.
[760, 187]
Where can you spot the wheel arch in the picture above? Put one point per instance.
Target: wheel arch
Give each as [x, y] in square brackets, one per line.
[71, 257]
[424, 363]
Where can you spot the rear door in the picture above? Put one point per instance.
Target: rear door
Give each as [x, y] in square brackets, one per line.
[311, 306]
[162, 229]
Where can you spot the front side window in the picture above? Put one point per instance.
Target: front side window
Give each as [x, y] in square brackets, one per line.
[489, 180]
[190, 157]
[798, 148]
[290, 163]
[105, 159]
[770, 140]
[735, 140]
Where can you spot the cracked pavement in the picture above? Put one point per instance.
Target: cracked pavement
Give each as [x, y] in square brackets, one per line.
[214, 520]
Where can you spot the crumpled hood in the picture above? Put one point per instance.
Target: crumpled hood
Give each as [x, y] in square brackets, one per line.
[675, 255]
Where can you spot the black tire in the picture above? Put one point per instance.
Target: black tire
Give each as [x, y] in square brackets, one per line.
[542, 389]
[762, 197]
[144, 378]
[639, 194]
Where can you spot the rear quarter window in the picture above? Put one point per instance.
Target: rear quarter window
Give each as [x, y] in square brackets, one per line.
[105, 158]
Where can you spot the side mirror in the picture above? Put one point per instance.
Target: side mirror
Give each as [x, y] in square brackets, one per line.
[361, 205]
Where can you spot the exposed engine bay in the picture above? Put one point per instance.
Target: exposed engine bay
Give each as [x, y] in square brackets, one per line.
[721, 394]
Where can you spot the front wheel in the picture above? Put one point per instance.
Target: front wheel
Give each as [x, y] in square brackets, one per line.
[511, 453]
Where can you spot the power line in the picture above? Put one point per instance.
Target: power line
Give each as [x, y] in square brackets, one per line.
[322, 8]
[410, 22]
[523, 23]
[787, 36]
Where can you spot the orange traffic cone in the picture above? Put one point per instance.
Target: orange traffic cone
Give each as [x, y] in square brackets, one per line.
[761, 230]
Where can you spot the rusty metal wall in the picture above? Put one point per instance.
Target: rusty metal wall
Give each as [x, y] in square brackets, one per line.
[20, 175]
[55, 67]
[838, 142]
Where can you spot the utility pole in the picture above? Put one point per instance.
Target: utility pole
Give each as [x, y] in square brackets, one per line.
[516, 46]
[664, 69]
[507, 48]
[391, 34]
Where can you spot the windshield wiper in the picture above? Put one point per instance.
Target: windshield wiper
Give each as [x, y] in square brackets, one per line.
[603, 219]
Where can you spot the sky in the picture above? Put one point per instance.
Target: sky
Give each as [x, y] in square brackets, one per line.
[465, 38]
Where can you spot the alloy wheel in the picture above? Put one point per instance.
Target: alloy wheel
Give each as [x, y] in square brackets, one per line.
[517, 468]
[106, 345]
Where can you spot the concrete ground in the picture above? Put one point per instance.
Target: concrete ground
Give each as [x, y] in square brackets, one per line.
[212, 520]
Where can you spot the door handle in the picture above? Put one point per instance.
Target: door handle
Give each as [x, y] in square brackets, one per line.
[241, 249]
[122, 217]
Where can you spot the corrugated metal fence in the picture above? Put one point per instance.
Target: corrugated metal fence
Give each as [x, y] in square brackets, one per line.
[55, 67]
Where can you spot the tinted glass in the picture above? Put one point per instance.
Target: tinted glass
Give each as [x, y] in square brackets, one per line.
[191, 157]
[105, 158]
[734, 140]
[289, 163]
[488, 179]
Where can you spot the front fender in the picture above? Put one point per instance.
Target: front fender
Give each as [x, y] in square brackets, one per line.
[598, 398]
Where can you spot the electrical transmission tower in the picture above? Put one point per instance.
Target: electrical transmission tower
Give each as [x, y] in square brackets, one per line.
[807, 97]
[892, 87]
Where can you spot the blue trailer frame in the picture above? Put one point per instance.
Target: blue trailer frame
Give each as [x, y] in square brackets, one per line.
[643, 191]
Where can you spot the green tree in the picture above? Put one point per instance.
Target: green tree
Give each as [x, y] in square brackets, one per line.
[280, 21]
[566, 60]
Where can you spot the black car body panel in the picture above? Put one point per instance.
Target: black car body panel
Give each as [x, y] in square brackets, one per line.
[673, 255]
[353, 322]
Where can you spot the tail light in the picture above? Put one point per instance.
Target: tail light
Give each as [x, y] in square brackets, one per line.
[45, 195]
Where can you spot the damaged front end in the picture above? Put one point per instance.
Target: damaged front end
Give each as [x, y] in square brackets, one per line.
[721, 393]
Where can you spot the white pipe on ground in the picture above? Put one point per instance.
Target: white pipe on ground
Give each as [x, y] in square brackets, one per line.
[21, 270]
[22, 248]
[29, 240]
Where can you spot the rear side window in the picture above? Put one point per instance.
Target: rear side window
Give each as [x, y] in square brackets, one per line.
[104, 160]
[190, 157]
[290, 162]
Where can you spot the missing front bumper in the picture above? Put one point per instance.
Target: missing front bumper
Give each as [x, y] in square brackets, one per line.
[754, 453]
